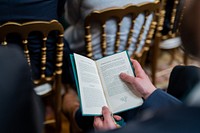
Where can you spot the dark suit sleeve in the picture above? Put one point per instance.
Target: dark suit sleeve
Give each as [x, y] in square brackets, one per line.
[174, 120]
[182, 80]
[159, 99]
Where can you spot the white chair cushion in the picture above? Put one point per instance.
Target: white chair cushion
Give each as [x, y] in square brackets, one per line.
[43, 89]
[170, 43]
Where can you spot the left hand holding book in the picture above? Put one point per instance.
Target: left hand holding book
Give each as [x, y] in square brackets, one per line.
[107, 121]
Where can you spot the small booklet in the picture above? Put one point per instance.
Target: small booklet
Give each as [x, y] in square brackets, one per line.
[98, 83]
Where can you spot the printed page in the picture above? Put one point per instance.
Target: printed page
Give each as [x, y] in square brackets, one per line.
[118, 94]
[91, 91]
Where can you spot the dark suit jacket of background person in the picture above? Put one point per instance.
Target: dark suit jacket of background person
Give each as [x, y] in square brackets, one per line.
[157, 101]
[29, 10]
[20, 108]
[170, 118]
[182, 81]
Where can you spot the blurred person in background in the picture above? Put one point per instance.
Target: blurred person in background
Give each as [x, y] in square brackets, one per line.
[21, 109]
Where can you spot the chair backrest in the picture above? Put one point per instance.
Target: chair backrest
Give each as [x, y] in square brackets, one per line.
[44, 27]
[173, 17]
[23, 31]
[118, 14]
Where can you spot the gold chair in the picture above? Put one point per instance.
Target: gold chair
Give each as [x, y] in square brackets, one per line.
[102, 16]
[171, 41]
[44, 27]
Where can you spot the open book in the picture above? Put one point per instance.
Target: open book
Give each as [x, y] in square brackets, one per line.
[99, 84]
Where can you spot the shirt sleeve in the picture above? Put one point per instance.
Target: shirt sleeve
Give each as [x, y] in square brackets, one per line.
[72, 11]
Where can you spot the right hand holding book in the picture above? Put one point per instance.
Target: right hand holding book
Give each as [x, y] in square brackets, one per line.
[140, 84]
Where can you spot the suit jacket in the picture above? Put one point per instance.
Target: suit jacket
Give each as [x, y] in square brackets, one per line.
[171, 120]
[27, 10]
[21, 110]
[182, 81]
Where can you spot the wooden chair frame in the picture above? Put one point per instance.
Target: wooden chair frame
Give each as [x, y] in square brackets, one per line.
[45, 27]
[174, 32]
[118, 13]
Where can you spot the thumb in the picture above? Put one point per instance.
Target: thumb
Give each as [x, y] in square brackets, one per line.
[106, 114]
[127, 78]
[117, 117]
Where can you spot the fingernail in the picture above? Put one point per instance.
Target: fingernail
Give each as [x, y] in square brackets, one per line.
[104, 107]
[121, 75]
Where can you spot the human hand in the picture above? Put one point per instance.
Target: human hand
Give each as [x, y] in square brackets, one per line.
[106, 122]
[141, 83]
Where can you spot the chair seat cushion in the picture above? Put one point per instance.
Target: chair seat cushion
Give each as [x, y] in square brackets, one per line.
[43, 89]
[170, 43]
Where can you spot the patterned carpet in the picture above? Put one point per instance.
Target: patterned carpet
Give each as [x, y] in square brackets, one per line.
[165, 66]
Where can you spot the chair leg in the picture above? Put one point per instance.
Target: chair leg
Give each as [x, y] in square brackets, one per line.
[185, 59]
[153, 68]
[58, 101]
[154, 59]
[58, 122]
[143, 59]
[172, 52]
